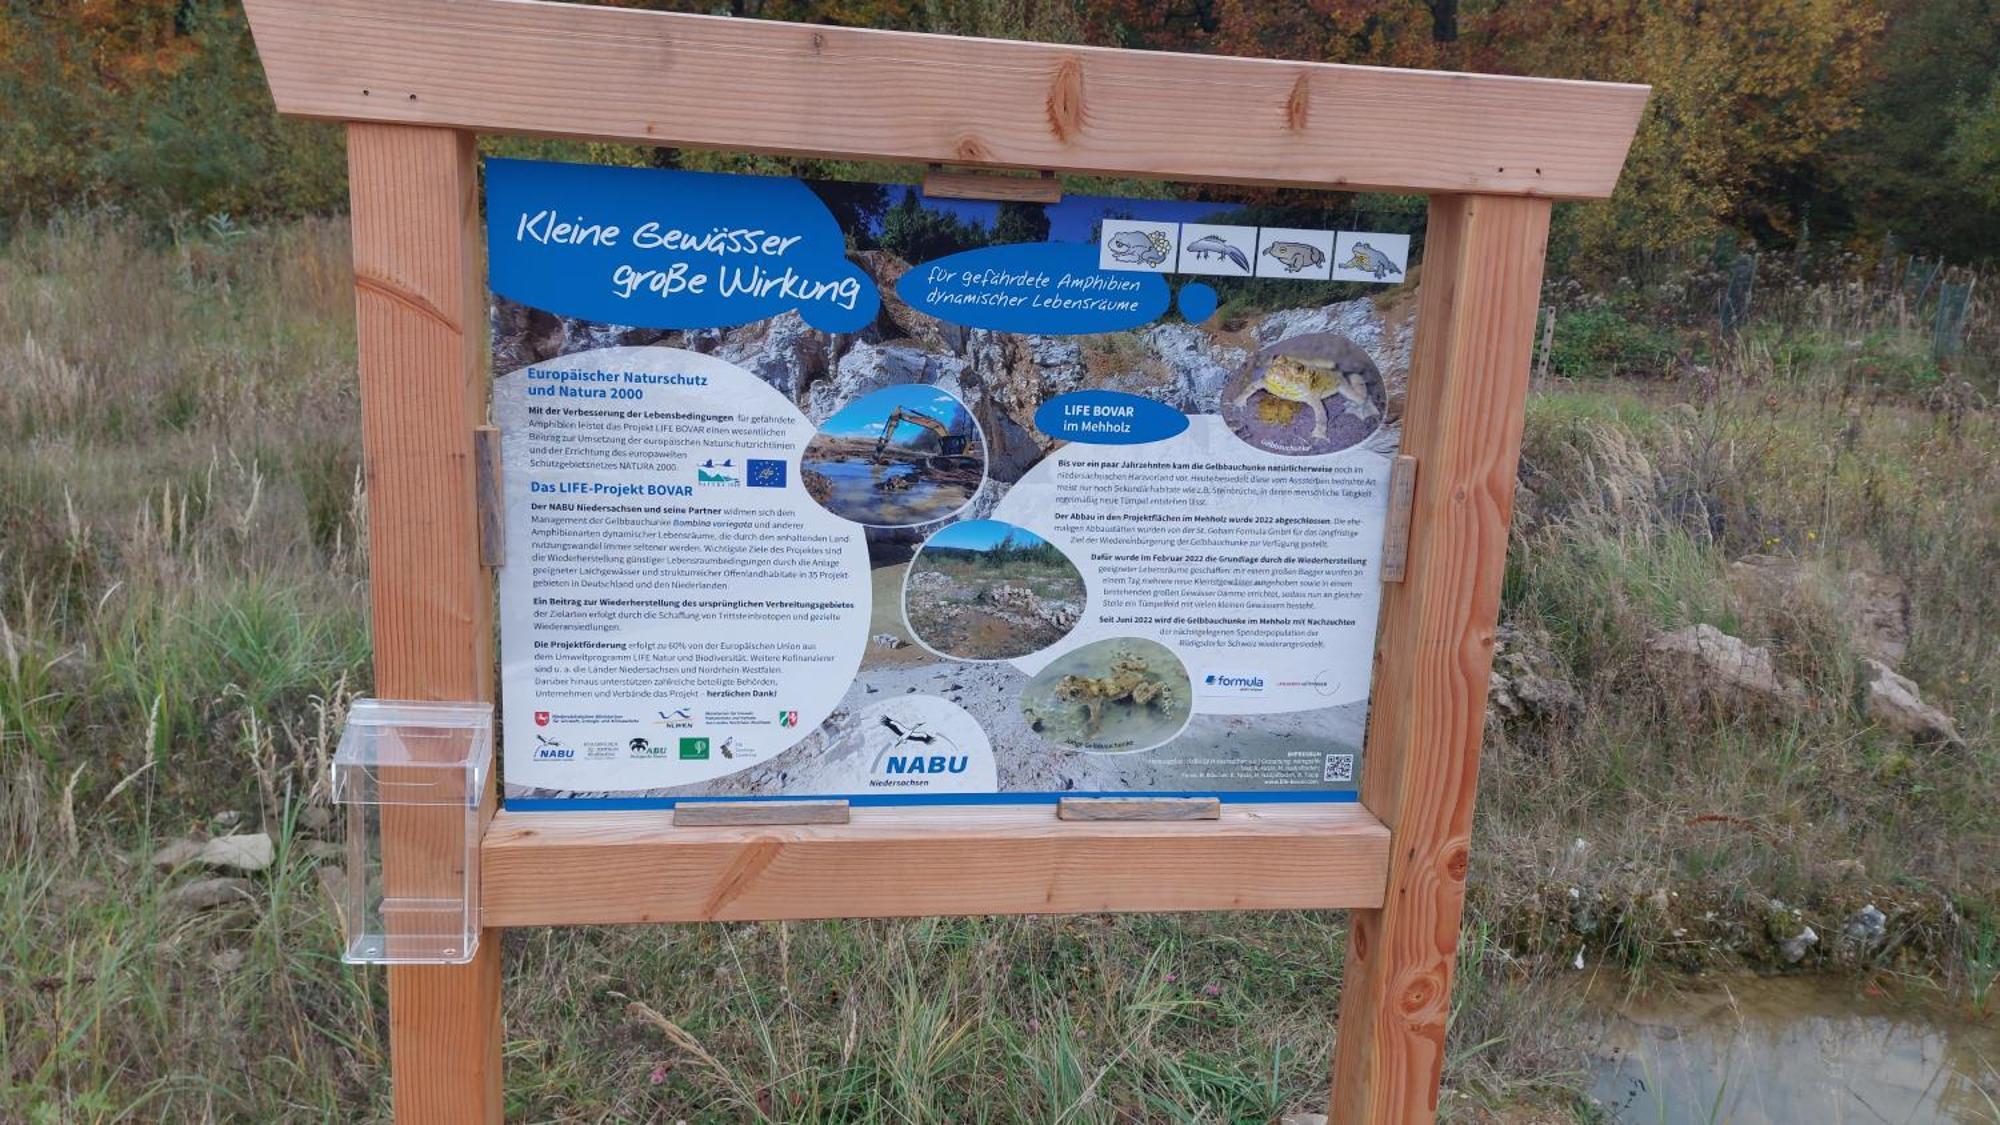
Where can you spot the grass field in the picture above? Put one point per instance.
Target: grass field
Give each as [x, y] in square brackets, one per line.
[182, 616]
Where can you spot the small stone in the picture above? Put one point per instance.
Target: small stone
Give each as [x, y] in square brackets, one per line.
[887, 640]
[226, 820]
[1866, 926]
[1303, 1119]
[249, 852]
[175, 853]
[1794, 949]
[1893, 701]
[205, 894]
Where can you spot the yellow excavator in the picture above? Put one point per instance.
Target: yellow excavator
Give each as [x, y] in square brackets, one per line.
[949, 444]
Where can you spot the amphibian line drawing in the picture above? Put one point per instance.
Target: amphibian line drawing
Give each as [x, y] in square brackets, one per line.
[1296, 255]
[1213, 245]
[1309, 382]
[1130, 681]
[1140, 247]
[1372, 261]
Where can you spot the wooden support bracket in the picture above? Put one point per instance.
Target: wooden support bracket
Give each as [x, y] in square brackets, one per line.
[1396, 527]
[709, 814]
[1139, 808]
[942, 184]
[492, 501]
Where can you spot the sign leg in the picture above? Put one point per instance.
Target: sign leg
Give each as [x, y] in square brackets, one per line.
[1482, 276]
[421, 327]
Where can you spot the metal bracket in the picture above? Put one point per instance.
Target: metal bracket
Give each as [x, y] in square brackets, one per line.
[492, 504]
[1139, 808]
[711, 814]
[1396, 527]
[1040, 188]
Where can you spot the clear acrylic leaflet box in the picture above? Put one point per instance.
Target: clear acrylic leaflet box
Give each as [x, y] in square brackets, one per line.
[413, 772]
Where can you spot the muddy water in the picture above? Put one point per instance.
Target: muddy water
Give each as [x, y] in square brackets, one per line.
[857, 497]
[1770, 1051]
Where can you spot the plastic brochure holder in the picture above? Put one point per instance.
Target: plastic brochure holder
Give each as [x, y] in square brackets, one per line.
[412, 774]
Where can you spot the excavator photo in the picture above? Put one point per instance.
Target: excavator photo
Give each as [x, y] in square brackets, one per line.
[949, 465]
[949, 444]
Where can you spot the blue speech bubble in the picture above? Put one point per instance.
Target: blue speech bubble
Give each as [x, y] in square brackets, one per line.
[667, 249]
[1108, 418]
[1048, 288]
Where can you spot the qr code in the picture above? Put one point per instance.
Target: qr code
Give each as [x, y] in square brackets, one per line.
[1339, 767]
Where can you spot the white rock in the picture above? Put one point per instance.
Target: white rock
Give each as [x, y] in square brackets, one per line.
[1706, 659]
[1795, 948]
[203, 894]
[870, 367]
[177, 852]
[1199, 365]
[1893, 701]
[251, 851]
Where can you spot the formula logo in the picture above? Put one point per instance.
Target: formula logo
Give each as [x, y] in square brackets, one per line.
[1233, 683]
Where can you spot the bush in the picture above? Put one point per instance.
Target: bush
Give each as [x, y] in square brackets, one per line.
[1601, 342]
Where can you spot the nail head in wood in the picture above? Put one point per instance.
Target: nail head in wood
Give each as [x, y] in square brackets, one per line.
[1139, 808]
[712, 813]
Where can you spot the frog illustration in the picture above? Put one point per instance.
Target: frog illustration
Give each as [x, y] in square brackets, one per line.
[1296, 255]
[1309, 382]
[1140, 247]
[1131, 680]
[1372, 261]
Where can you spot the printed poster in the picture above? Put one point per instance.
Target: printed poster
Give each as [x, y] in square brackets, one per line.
[837, 490]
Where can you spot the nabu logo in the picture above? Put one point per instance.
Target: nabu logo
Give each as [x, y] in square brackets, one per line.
[897, 765]
[548, 751]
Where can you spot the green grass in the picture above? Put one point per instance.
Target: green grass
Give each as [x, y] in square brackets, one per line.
[184, 599]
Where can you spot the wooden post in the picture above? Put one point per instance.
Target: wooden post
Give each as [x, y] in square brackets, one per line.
[420, 319]
[1468, 387]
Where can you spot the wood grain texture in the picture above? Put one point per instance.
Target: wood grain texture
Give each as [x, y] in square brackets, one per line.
[421, 333]
[941, 184]
[606, 868]
[709, 813]
[1139, 808]
[763, 86]
[1468, 386]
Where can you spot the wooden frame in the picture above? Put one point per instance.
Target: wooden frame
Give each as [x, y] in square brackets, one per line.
[414, 79]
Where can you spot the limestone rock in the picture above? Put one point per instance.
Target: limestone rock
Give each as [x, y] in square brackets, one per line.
[1873, 607]
[252, 851]
[887, 640]
[1528, 682]
[1894, 702]
[206, 894]
[1866, 926]
[1794, 949]
[870, 367]
[1707, 661]
[174, 853]
[1198, 364]
[781, 351]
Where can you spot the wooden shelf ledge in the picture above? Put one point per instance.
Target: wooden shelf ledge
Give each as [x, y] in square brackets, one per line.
[553, 869]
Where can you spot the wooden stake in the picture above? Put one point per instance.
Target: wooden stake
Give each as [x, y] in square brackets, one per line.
[1468, 388]
[419, 305]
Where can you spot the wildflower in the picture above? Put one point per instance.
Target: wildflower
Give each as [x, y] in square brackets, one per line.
[659, 1074]
[1211, 989]
[1172, 977]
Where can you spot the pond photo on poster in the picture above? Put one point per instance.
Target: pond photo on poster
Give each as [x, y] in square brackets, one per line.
[838, 490]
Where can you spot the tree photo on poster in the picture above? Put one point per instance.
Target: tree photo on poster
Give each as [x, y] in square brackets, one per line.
[840, 490]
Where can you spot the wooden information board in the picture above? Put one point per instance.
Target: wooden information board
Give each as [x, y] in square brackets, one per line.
[415, 80]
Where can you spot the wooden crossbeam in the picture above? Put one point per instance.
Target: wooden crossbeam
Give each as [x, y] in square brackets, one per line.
[763, 86]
